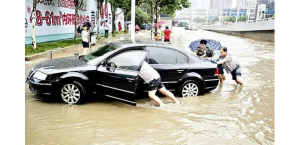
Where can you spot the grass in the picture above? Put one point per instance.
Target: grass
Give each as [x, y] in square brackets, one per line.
[45, 46]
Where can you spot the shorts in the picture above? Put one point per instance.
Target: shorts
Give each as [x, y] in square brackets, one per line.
[155, 84]
[85, 44]
[220, 68]
[236, 72]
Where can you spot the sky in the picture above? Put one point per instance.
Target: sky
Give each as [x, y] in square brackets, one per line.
[233, 3]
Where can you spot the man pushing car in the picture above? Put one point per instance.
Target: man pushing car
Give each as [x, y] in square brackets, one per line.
[152, 78]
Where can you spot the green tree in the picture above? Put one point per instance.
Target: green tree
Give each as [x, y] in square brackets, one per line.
[113, 7]
[150, 3]
[215, 19]
[78, 4]
[140, 16]
[99, 2]
[125, 5]
[165, 6]
[171, 6]
[33, 24]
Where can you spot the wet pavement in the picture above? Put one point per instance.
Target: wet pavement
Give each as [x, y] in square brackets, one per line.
[230, 114]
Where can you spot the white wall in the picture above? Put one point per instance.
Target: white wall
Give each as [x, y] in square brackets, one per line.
[60, 18]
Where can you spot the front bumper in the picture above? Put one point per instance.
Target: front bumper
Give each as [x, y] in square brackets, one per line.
[39, 87]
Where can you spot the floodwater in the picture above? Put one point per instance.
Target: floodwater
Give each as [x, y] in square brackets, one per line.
[230, 114]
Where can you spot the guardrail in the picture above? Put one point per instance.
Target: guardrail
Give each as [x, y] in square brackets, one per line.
[246, 22]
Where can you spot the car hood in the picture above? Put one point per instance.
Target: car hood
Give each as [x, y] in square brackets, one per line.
[60, 64]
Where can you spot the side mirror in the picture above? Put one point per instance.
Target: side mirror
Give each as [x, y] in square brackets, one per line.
[103, 63]
[111, 67]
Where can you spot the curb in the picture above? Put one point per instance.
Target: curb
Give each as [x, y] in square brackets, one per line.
[70, 48]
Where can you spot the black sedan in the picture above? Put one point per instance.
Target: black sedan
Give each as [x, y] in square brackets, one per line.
[112, 71]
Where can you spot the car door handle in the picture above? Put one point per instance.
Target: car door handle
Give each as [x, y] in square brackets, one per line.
[115, 77]
[180, 71]
[130, 79]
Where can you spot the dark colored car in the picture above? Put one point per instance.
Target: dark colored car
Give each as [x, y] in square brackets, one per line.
[112, 71]
[186, 27]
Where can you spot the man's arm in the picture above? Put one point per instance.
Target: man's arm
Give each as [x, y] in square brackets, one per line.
[222, 61]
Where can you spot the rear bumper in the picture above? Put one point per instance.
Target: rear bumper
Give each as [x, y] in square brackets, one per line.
[211, 83]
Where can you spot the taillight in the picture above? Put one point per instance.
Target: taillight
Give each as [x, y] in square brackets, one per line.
[216, 72]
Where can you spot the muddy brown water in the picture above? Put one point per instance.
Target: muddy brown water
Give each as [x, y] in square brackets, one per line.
[230, 114]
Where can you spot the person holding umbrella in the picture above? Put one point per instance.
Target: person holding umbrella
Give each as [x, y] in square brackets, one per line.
[201, 50]
[161, 33]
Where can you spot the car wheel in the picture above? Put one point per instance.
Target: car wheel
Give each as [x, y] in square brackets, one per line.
[73, 92]
[189, 89]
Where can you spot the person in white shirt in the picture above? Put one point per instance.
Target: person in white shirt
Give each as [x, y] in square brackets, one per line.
[161, 33]
[85, 40]
[129, 29]
[106, 28]
[152, 78]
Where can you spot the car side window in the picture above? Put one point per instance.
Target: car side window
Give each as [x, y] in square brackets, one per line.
[129, 60]
[158, 55]
[181, 58]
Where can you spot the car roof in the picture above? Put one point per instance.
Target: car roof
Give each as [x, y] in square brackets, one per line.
[128, 43]
[124, 44]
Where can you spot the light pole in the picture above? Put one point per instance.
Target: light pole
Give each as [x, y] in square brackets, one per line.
[132, 29]
[206, 16]
[221, 14]
[237, 12]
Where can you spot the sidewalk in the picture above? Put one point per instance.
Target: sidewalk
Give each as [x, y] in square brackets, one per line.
[71, 50]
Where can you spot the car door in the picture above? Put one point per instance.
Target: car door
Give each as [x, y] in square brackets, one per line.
[170, 64]
[117, 79]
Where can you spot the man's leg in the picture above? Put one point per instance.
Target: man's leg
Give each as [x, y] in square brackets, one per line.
[238, 80]
[221, 73]
[170, 95]
[155, 98]
[223, 76]
[220, 78]
[238, 74]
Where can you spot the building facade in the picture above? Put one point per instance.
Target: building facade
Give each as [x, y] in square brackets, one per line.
[220, 4]
[55, 19]
[199, 4]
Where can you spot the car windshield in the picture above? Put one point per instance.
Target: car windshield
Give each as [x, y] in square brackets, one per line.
[100, 52]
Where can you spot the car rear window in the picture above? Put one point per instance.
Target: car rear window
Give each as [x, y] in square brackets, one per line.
[181, 58]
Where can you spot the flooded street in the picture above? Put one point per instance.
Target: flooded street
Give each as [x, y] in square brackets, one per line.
[230, 114]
